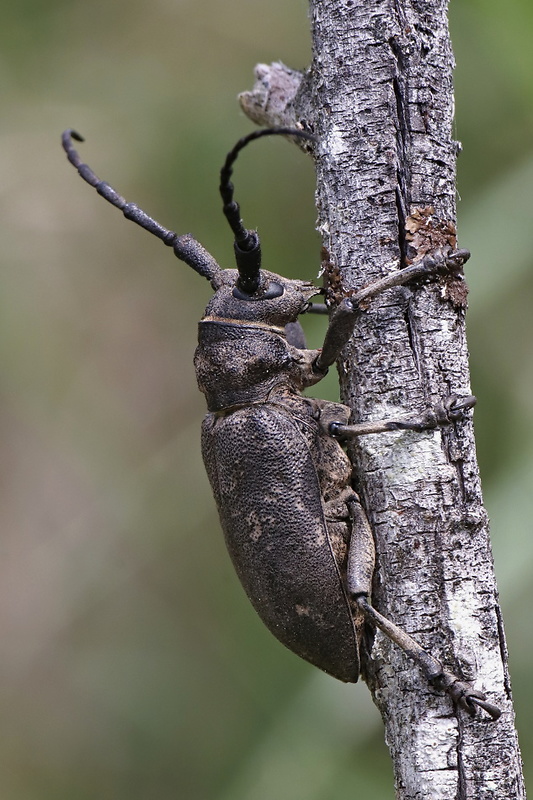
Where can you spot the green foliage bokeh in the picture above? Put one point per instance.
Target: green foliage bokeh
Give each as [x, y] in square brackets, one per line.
[133, 667]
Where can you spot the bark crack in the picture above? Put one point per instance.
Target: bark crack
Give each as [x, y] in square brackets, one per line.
[403, 168]
[503, 649]
[461, 768]
[414, 341]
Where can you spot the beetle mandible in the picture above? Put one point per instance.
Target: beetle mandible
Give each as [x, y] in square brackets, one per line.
[295, 529]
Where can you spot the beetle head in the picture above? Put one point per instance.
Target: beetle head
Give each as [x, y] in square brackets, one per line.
[277, 300]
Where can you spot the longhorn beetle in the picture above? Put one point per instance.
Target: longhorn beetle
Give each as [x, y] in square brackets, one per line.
[295, 529]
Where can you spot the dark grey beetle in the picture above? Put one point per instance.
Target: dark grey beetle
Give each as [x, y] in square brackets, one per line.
[298, 536]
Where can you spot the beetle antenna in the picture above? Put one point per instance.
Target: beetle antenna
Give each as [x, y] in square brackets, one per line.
[185, 247]
[247, 246]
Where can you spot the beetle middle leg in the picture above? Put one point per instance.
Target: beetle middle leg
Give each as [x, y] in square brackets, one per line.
[452, 409]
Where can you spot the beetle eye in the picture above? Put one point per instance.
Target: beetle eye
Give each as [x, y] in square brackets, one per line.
[273, 290]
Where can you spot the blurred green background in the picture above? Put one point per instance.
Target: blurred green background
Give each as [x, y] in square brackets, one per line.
[132, 666]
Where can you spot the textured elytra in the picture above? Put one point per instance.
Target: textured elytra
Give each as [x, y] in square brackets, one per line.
[287, 544]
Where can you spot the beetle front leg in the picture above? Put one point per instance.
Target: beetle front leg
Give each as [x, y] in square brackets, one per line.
[343, 318]
[360, 569]
[452, 409]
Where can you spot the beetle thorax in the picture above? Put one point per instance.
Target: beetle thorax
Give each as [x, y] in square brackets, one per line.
[238, 363]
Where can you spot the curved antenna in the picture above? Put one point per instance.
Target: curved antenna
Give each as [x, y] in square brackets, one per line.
[247, 246]
[185, 247]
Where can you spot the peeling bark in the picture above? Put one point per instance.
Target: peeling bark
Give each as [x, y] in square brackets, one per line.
[379, 95]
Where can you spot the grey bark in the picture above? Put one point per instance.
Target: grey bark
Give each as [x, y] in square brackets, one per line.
[379, 95]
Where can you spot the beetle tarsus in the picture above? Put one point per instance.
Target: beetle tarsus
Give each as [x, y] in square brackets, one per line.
[470, 700]
[456, 407]
[492, 710]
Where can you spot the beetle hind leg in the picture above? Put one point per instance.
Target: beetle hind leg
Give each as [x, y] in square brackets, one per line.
[361, 552]
[359, 578]
[461, 693]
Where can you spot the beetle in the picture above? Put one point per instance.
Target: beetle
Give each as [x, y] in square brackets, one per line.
[295, 528]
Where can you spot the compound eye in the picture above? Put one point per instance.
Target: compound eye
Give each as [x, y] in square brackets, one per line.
[273, 290]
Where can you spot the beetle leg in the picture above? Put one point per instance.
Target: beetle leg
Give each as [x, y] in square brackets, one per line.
[295, 335]
[361, 552]
[343, 318]
[359, 578]
[461, 693]
[317, 308]
[452, 409]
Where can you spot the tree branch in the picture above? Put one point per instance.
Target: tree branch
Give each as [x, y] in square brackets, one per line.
[379, 96]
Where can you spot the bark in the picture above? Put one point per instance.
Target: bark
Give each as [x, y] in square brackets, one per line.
[379, 95]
